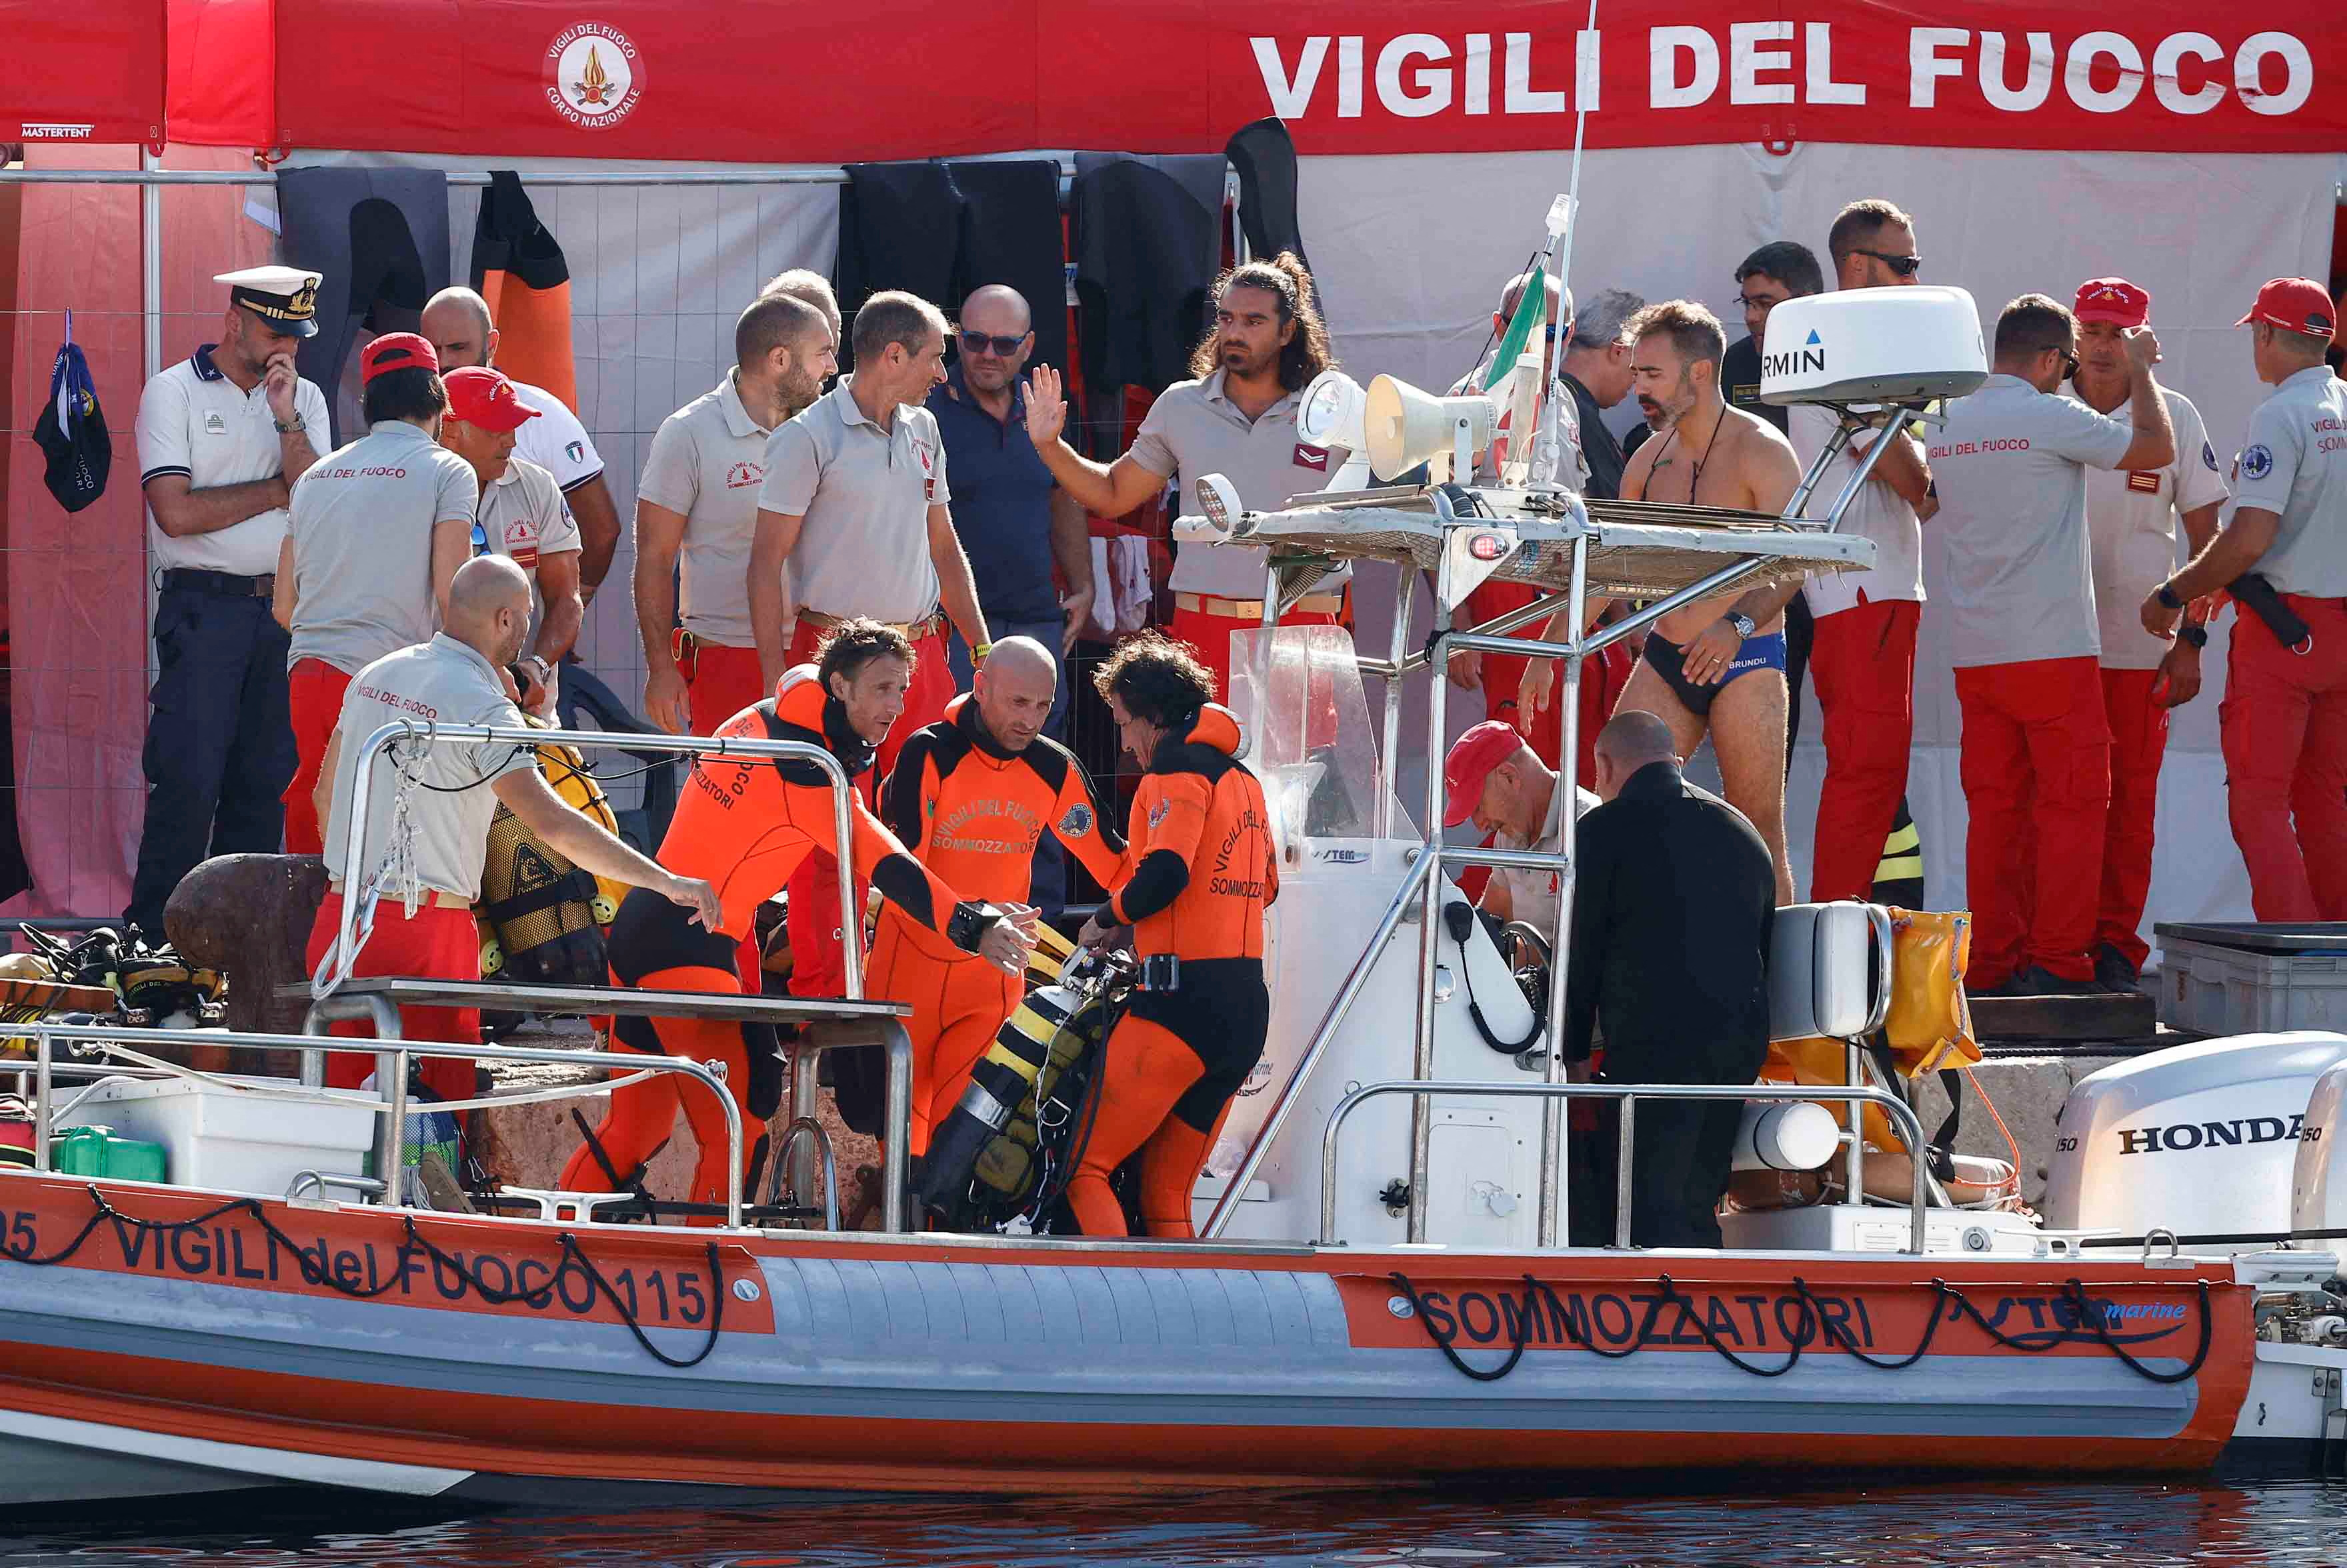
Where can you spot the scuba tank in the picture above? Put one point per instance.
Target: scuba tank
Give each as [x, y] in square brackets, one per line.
[983, 1163]
[542, 918]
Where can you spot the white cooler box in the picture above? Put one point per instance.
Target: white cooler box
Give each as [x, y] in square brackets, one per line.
[216, 1138]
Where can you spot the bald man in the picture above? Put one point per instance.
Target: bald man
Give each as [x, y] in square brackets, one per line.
[808, 287]
[971, 795]
[452, 790]
[457, 323]
[1015, 521]
[1671, 908]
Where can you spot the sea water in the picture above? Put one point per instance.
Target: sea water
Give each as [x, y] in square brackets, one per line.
[2135, 1523]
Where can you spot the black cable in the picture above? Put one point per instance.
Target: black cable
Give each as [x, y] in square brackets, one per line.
[1523, 1329]
[1822, 1327]
[414, 1241]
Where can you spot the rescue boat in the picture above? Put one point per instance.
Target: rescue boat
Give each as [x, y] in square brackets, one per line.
[1380, 1293]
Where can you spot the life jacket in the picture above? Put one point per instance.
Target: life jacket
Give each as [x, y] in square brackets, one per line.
[541, 917]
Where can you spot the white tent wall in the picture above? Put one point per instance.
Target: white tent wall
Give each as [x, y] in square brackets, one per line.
[1412, 252]
[658, 274]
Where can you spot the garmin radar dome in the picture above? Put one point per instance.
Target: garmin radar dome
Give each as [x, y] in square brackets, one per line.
[1873, 345]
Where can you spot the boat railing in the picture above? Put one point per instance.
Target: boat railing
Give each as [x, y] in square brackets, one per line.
[105, 1047]
[1421, 1092]
[367, 885]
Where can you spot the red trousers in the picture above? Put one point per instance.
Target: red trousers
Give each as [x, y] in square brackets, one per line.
[1602, 680]
[816, 963]
[2037, 785]
[720, 680]
[643, 1115]
[2138, 744]
[1863, 662]
[959, 1006]
[1211, 636]
[2284, 720]
[718, 683]
[440, 943]
[315, 693]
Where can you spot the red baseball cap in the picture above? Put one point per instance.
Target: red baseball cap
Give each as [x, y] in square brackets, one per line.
[396, 351]
[2298, 305]
[482, 397]
[1473, 757]
[2112, 299]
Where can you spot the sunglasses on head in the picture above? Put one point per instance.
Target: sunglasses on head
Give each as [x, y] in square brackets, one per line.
[1905, 266]
[1003, 347]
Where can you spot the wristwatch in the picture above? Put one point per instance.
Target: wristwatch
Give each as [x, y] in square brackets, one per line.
[1744, 624]
[2198, 636]
[293, 427]
[2167, 596]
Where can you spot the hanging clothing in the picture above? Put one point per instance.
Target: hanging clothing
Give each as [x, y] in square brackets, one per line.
[1264, 155]
[940, 230]
[1011, 234]
[1148, 245]
[378, 239]
[519, 268]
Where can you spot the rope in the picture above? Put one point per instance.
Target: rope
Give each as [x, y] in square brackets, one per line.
[414, 1241]
[1819, 1327]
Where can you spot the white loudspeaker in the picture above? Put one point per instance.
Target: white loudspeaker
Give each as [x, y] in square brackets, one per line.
[1406, 427]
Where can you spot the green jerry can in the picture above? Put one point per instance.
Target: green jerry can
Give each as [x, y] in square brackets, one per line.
[99, 1152]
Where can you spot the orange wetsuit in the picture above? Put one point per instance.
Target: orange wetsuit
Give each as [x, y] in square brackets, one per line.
[743, 825]
[972, 812]
[1204, 870]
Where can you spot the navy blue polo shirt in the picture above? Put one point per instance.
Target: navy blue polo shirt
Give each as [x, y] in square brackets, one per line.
[1001, 502]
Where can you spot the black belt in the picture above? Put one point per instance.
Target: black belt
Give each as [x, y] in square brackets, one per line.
[225, 583]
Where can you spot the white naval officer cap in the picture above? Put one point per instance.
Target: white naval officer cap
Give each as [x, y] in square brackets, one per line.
[285, 298]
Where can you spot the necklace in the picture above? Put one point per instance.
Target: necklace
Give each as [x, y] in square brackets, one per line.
[1695, 474]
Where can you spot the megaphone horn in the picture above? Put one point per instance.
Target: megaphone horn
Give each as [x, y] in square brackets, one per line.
[1406, 426]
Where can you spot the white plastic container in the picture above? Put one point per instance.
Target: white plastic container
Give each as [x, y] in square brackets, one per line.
[220, 1139]
[2210, 989]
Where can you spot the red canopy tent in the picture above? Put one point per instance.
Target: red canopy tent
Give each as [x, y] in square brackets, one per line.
[907, 78]
[83, 72]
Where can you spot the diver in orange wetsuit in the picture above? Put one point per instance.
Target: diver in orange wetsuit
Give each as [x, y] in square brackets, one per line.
[1204, 869]
[744, 826]
[971, 795]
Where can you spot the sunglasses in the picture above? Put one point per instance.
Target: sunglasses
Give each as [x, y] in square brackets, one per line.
[2069, 364]
[1003, 347]
[1905, 266]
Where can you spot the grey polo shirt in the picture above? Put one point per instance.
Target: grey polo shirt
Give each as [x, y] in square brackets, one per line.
[2010, 465]
[1192, 430]
[864, 494]
[193, 420]
[523, 517]
[445, 681]
[2294, 465]
[707, 461]
[362, 529]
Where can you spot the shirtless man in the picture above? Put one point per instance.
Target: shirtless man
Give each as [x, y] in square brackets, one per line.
[1718, 665]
